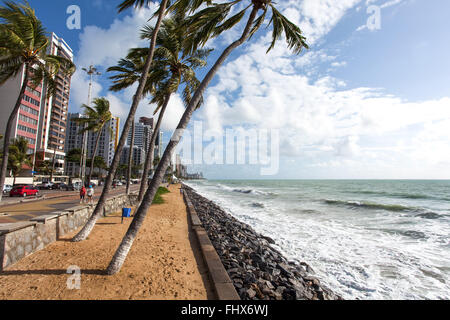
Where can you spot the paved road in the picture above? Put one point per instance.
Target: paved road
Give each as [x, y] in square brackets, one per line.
[11, 211]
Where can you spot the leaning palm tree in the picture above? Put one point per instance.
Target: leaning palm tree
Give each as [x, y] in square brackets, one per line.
[23, 50]
[85, 231]
[130, 158]
[95, 119]
[171, 69]
[203, 25]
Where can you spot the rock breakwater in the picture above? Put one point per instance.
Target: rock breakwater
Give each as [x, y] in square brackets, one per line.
[257, 269]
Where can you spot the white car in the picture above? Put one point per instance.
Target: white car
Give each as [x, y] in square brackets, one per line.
[7, 188]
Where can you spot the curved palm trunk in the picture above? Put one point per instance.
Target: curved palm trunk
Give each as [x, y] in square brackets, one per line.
[130, 157]
[7, 136]
[127, 241]
[93, 155]
[86, 230]
[151, 151]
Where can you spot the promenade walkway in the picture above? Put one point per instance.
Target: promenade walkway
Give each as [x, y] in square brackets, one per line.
[164, 262]
[56, 201]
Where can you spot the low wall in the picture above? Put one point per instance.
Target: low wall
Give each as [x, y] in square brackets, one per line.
[223, 286]
[18, 240]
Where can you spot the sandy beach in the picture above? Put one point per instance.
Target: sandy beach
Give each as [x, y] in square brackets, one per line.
[164, 262]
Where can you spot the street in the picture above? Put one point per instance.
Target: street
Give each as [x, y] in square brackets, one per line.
[12, 210]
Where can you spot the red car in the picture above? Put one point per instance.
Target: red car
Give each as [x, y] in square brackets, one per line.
[24, 191]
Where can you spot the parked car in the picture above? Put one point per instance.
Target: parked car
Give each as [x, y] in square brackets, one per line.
[59, 186]
[45, 186]
[24, 191]
[7, 188]
[73, 186]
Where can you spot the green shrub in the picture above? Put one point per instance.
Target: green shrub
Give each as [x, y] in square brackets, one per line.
[158, 199]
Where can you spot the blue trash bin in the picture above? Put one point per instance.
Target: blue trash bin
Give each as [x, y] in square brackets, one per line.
[126, 212]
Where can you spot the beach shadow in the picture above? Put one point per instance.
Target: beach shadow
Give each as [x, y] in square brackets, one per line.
[106, 223]
[50, 272]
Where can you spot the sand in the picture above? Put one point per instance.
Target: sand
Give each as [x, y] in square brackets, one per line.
[164, 262]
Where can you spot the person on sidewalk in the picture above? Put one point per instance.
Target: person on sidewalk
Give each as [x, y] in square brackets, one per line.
[90, 194]
[82, 194]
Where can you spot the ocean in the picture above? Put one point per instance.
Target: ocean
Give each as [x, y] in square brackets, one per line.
[374, 239]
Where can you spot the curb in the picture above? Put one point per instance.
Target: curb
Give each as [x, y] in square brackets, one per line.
[43, 197]
[218, 275]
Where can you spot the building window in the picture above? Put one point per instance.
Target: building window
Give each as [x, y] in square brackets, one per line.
[31, 100]
[28, 119]
[30, 141]
[26, 129]
[29, 110]
[32, 91]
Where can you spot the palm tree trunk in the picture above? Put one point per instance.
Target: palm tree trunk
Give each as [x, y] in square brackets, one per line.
[86, 230]
[9, 126]
[53, 165]
[130, 157]
[93, 155]
[127, 241]
[151, 151]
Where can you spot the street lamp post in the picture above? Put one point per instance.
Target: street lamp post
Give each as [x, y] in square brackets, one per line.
[92, 71]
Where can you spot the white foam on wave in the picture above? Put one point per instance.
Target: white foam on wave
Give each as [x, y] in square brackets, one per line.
[350, 256]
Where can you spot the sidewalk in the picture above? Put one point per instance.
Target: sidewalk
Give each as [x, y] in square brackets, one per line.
[164, 262]
[10, 213]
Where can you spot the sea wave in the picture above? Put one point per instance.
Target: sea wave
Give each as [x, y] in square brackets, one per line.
[417, 196]
[258, 205]
[371, 205]
[246, 191]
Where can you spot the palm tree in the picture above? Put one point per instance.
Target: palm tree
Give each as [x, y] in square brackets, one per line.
[96, 119]
[18, 156]
[85, 231]
[74, 155]
[23, 49]
[170, 70]
[203, 25]
[130, 157]
[99, 163]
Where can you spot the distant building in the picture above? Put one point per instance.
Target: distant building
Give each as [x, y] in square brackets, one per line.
[142, 133]
[138, 155]
[180, 169]
[159, 145]
[108, 142]
[146, 121]
[194, 176]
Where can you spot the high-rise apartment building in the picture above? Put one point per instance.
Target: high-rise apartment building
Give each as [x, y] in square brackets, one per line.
[53, 116]
[41, 119]
[138, 156]
[142, 133]
[27, 120]
[108, 142]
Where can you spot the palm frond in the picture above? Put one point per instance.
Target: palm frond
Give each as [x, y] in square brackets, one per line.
[294, 38]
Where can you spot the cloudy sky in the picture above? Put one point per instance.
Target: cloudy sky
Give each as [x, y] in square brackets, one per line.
[370, 99]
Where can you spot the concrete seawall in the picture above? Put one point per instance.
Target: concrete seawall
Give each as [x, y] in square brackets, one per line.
[18, 240]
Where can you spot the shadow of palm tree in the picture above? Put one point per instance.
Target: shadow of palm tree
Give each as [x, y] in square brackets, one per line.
[50, 272]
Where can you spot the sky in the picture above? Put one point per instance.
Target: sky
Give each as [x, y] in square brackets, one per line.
[370, 99]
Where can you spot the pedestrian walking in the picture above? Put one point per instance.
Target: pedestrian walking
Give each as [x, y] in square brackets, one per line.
[82, 194]
[90, 194]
